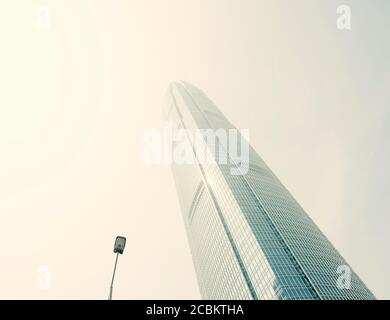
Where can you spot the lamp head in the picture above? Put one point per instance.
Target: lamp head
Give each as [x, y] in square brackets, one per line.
[120, 243]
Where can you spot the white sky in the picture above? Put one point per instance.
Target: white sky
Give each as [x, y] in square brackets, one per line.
[76, 95]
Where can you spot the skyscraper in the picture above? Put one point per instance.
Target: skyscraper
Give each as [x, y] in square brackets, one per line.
[249, 237]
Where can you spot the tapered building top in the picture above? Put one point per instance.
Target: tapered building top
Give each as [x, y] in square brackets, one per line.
[249, 238]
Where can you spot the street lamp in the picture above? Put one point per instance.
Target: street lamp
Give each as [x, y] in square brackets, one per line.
[119, 247]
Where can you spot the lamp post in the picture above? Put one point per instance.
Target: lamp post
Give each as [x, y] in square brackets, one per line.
[119, 247]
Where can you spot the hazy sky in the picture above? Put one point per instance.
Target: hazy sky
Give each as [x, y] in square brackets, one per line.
[80, 80]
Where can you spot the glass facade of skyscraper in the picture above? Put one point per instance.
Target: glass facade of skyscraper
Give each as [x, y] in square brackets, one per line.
[249, 237]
